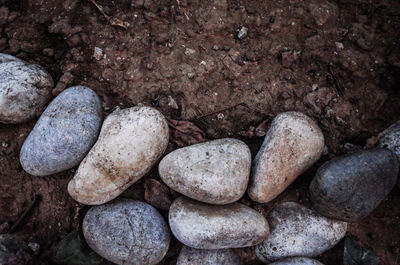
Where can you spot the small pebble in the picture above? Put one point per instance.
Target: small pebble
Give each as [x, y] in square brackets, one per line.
[203, 226]
[64, 133]
[350, 187]
[297, 261]
[130, 143]
[292, 145]
[191, 256]
[242, 33]
[24, 89]
[296, 231]
[215, 172]
[127, 232]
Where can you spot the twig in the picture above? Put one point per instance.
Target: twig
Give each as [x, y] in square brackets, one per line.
[113, 21]
[221, 110]
[36, 198]
[339, 87]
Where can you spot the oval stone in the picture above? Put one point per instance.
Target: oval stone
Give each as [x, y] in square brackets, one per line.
[297, 261]
[192, 256]
[352, 186]
[215, 172]
[297, 231]
[292, 145]
[127, 232]
[203, 226]
[24, 89]
[64, 133]
[130, 143]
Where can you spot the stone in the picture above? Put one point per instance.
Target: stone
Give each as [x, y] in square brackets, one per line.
[127, 232]
[215, 172]
[390, 138]
[292, 145]
[24, 89]
[350, 187]
[64, 133]
[242, 33]
[130, 142]
[297, 261]
[203, 226]
[192, 256]
[297, 231]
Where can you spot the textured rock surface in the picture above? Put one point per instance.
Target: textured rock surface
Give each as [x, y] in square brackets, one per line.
[203, 226]
[390, 139]
[352, 186]
[127, 232]
[293, 144]
[24, 89]
[192, 256]
[296, 231]
[215, 172]
[297, 261]
[130, 142]
[64, 134]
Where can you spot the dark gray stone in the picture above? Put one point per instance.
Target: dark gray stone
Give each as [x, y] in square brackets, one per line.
[297, 261]
[390, 138]
[127, 232]
[24, 89]
[64, 133]
[192, 256]
[352, 186]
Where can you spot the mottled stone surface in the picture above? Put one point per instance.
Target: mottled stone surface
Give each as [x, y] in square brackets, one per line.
[390, 139]
[297, 261]
[127, 232]
[130, 143]
[352, 186]
[292, 145]
[204, 226]
[215, 172]
[64, 133]
[192, 256]
[24, 89]
[297, 231]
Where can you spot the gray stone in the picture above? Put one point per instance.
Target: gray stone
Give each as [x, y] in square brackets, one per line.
[24, 89]
[292, 145]
[64, 133]
[297, 261]
[203, 226]
[192, 256]
[215, 172]
[130, 142]
[127, 232]
[350, 187]
[297, 231]
[390, 138]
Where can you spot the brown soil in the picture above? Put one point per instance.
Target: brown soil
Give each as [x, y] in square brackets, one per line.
[336, 61]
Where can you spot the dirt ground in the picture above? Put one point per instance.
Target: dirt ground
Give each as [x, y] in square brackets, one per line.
[336, 61]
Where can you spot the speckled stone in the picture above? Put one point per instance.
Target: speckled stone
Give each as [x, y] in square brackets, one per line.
[390, 139]
[297, 261]
[192, 256]
[215, 172]
[292, 145]
[64, 134]
[352, 186]
[130, 143]
[297, 231]
[24, 89]
[203, 226]
[127, 232]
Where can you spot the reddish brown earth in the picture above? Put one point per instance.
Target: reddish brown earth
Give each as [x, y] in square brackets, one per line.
[336, 61]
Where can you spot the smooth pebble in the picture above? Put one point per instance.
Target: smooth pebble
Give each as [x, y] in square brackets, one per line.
[297, 231]
[64, 133]
[350, 187]
[292, 145]
[215, 172]
[130, 143]
[192, 256]
[297, 261]
[24, 89]
[127, 232]
[203, 226]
